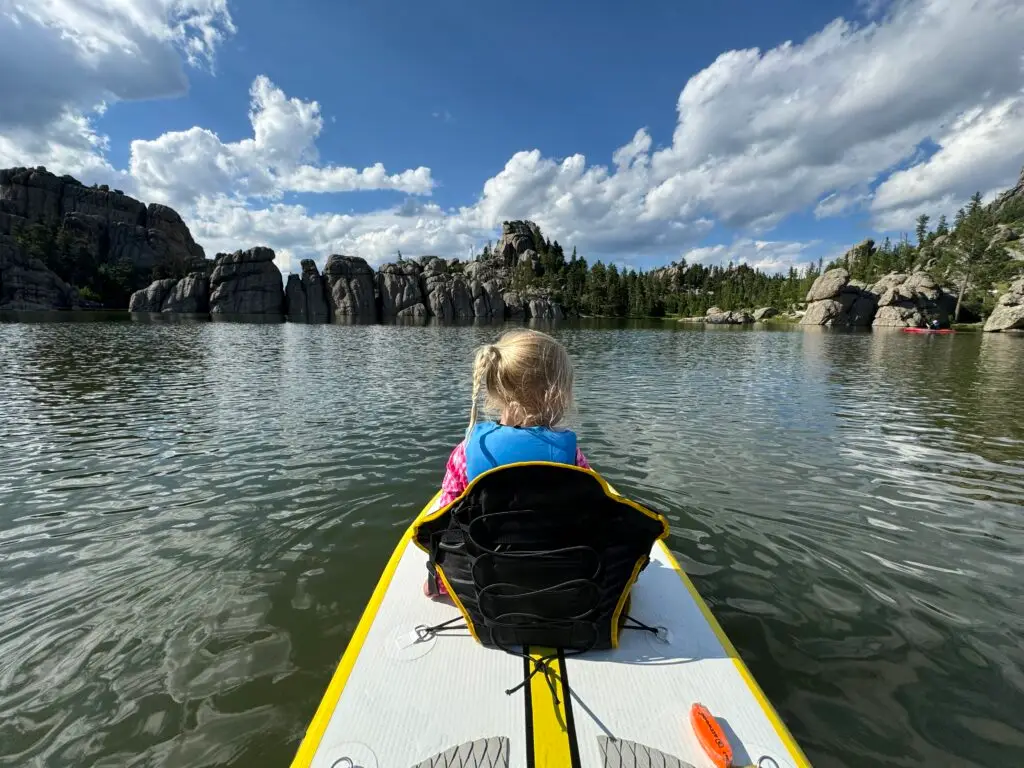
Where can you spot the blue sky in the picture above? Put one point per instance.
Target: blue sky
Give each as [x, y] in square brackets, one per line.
[773, 133]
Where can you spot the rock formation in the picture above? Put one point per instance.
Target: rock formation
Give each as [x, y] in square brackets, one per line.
[764, 313]
[305, 296]
[47, 216]
[350, 287]
[26, 283]
[190, 295]
[835, 300]
[910, 301]
[1009, 312]
[896, 300]
[151, 298]
[400, 290]
[246, 283]
[717, 316]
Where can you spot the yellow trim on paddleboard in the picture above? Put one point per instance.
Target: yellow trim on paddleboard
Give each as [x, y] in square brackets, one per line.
[795, 753]
[318, 726]
[550, 731]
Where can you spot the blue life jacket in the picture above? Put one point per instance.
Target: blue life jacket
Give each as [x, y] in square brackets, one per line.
[493, 445]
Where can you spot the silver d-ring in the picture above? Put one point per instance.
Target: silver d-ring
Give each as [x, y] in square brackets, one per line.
[343, 762]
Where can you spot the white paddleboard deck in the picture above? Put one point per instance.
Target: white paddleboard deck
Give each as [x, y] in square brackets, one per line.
[397, 701]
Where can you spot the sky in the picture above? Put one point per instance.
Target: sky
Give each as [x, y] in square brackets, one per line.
[771, 133]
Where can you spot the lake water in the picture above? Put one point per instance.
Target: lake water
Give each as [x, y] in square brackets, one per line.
[192, 516]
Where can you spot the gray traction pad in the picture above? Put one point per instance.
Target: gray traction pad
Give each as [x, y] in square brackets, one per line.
[620, 753]
[482, 753]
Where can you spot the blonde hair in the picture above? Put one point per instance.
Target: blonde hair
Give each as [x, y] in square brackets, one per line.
[526, 374]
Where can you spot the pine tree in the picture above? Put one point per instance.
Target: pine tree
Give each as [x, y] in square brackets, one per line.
[922, 228]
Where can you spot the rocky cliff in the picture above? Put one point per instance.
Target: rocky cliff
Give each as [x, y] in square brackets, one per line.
[66, 244]
[1009, 312]
[249, 283]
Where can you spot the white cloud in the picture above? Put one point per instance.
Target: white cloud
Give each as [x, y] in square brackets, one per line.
[806, 126]
[980, 152]
[68, 56]
[766, 255]
[766, 134]
[181, 166]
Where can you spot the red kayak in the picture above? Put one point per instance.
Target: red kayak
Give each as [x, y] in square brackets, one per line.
[928, 330]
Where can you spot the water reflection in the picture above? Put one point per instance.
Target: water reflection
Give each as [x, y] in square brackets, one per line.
[194, 513]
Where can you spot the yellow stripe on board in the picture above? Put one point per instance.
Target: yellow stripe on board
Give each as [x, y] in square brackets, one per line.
[769, 711]
[318, 726]
[550, 731]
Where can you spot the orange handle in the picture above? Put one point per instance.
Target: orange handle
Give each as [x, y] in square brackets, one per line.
[711, 736]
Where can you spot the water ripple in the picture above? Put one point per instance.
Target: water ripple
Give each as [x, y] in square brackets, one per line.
[193, 515]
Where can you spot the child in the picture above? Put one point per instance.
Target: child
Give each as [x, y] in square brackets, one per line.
[527, 378]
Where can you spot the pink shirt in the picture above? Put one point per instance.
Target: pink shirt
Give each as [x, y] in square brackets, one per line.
[456, 478]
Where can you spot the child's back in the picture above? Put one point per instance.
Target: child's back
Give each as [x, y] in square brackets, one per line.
[526, 378]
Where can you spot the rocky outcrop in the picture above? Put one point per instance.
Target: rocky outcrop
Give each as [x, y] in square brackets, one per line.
[400, 291]
[350, 287]
[305, 297]
[448, 296]
[1010, 196]
[828, 285]
[26, 283]
[717, 316]
[517, 238]
[246, 283]
[97, 230]
[1009, 312]
[909, 301]
[764, 313]
[151, 298]
[545, 309]
[835, 300]
[190, 295]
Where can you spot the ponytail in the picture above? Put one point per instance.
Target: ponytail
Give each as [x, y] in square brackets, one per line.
[485, 367]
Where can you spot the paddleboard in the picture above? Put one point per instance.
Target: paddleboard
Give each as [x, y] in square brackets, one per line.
[406, 696]
[928, 330]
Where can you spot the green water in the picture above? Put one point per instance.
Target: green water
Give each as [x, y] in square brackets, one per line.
[192, 516]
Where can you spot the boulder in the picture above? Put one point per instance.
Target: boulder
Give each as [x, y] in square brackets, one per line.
[190, 295]
[890, 281]
[903, 315]
[764, 313]
[828, 285]
[27, 284]
[447, 296]
[400, 290]
[151, 298]
[246, 283]
[828, 312]
[487, 301]
[1009, 312]
[921, 284]
[514, 306]
[517, 237]
[718, 316]
[910, 300]
[544, 309]
[350, 287]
